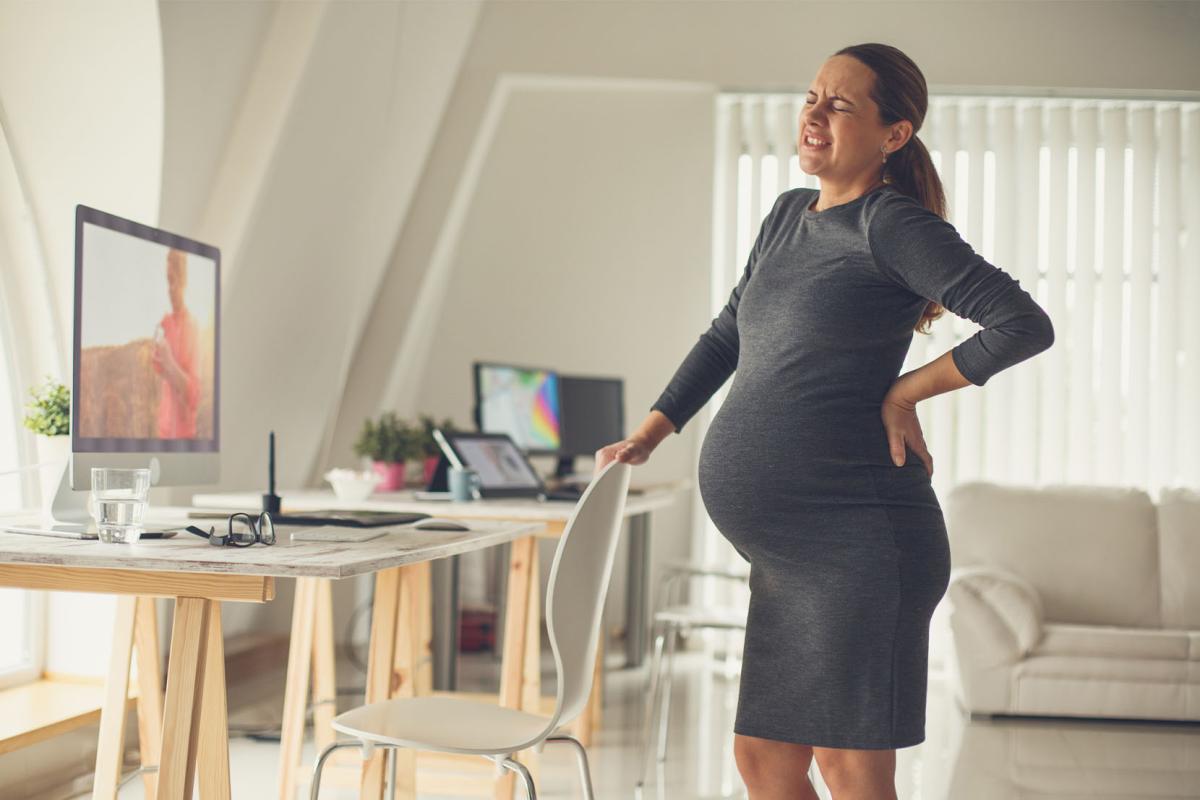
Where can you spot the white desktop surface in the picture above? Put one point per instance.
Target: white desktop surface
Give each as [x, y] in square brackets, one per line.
[651, 499]
[186, 552]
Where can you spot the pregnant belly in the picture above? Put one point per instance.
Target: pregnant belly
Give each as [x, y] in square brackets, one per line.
[766, 471]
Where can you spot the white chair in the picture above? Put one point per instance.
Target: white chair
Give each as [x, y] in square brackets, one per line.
[579, 577]
[672, 619]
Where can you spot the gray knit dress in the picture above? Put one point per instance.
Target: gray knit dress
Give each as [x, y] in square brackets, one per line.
[848, 552]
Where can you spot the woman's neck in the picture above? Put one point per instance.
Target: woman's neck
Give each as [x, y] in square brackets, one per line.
[828, 198]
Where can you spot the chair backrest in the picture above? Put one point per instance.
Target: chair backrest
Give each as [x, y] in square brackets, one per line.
[579, 577]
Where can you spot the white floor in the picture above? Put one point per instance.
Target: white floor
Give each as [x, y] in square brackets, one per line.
[960, 758]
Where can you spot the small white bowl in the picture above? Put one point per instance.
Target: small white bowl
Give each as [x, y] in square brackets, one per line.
[350, 485]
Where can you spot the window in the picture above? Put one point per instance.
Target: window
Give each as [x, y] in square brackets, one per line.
[1088, 203]
[21, 612]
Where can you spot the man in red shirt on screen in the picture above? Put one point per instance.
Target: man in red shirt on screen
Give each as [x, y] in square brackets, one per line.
[175, 358]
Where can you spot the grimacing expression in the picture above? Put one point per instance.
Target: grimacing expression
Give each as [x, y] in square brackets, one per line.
[838, 109]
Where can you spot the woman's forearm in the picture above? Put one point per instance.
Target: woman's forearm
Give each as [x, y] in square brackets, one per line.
[938, 376]
[654, 428]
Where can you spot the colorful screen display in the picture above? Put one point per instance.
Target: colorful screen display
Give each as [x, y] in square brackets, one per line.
[521, 402]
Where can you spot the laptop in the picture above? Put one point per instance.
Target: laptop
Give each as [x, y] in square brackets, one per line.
[503, 469]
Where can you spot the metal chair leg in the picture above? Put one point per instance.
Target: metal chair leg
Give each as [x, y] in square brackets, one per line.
[580, 756]
[665, 715]
[315, 788]
[523, 771]
[653, 681]
[391, 768]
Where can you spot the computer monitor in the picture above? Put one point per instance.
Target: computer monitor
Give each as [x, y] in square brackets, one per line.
[593, 415]
[146, 366]
[520, 401]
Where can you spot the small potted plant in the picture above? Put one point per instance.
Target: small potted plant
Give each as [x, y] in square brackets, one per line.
[48, 414]
[389, 442]
[429, 445]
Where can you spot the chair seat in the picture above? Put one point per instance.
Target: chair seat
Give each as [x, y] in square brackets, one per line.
[446, 724]
[702, 616]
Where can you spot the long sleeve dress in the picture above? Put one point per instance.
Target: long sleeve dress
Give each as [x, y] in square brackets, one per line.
[848, 551]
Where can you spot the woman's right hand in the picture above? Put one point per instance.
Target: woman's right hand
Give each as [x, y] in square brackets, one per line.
[631, 451]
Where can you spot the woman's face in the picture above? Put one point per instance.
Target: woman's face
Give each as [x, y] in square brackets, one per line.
[839, 111]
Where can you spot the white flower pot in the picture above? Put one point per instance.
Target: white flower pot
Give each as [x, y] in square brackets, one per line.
[53, 453]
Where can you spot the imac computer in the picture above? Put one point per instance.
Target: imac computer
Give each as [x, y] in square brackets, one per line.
[593, 415]
[145, 368]
[520, 401]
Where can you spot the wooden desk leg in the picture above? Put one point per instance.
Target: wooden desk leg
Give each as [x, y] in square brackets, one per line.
[324, 675]
[379, 666]
[295, 695]
[150, 689]
[423, 572]
[213, 755]
[185, 692]
[111, 744]
[406, 665]
[520, 684]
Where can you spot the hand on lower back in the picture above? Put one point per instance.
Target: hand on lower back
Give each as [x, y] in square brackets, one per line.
[904, 428]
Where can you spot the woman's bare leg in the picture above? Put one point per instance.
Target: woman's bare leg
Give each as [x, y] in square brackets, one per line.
[774, 770]
[858, 774]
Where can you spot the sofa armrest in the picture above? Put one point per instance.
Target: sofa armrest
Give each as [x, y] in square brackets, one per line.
[996, 613]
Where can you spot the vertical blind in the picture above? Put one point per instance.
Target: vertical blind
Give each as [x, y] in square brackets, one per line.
[1094, 206]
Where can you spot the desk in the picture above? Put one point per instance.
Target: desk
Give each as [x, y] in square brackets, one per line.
[553, 514]
[194, 728]
[312, 636]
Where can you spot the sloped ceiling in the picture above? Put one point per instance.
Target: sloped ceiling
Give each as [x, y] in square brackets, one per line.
[296, 149]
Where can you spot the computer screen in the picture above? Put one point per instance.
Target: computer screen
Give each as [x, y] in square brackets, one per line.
[520, 401]
[145, 376]
[593, 413]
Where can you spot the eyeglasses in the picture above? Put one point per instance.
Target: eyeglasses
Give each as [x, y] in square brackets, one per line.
[242, 530]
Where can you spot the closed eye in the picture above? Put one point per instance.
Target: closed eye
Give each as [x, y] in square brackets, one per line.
[835, 108]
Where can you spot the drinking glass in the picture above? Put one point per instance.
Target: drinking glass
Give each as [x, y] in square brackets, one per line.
[118, 503]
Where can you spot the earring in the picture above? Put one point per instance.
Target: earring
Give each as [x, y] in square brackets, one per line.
[883, 150]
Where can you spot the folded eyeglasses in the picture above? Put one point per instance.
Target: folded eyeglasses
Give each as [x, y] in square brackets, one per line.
[242, 530]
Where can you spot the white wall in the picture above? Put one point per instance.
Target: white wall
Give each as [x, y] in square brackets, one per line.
[560, 265]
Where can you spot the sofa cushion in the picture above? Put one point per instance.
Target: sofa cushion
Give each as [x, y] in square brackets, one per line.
[1113, 642]
[1179, 554]
[1147, 688]
[1091, 552]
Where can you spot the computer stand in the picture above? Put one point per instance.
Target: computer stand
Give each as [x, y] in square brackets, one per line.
[565, 468]
[68, 509]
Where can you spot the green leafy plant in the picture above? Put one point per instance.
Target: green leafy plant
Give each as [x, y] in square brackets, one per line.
[429, 445]
[49, 411]
[389, 439]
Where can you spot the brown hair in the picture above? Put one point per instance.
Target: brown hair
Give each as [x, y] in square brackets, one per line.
[900, 93]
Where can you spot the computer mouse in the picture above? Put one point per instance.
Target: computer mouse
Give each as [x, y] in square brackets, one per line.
[440, 524]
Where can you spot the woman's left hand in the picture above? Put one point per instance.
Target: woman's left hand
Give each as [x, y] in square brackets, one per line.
[903, 428]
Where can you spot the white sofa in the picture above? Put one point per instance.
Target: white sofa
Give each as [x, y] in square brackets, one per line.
[1075, 601]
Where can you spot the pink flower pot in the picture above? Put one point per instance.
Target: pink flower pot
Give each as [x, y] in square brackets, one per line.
[391, 475]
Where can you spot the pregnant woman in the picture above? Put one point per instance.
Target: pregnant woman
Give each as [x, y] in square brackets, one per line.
[815, 467]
